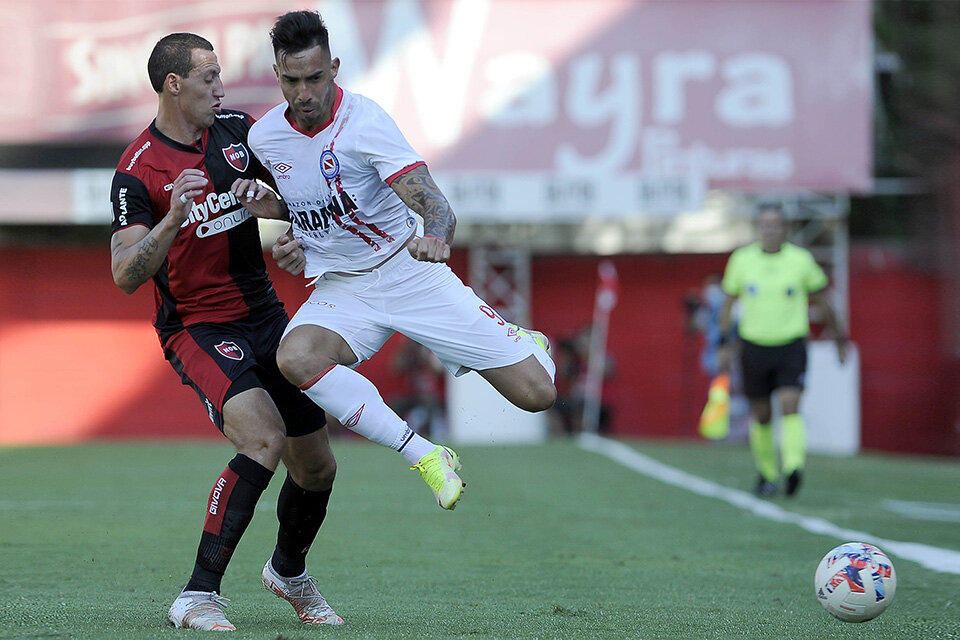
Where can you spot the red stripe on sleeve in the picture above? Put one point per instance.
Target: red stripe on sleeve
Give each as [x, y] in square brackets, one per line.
[411, 167]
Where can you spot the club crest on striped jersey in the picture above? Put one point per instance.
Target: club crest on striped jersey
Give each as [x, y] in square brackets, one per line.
[329, 164]
[230, 350]
[237, 155]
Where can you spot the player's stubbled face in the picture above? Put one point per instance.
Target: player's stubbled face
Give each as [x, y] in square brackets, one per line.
[306, 81]
[202, 90]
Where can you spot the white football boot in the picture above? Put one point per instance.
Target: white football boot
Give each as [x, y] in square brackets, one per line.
[200, 610]
[303, 594]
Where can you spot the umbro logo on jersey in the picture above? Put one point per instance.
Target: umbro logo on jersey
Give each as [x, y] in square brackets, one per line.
[329, 165]
[230, 350]
[282, 167]
[237, 155]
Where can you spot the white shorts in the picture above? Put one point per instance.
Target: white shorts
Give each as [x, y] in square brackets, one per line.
[424, 301]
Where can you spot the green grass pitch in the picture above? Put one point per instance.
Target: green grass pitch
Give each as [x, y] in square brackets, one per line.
[550, 541]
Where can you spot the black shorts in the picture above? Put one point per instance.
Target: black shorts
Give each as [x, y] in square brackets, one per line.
[768, 368]
[220, 360]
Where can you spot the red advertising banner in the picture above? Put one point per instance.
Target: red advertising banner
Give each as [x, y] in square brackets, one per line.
[738, 93]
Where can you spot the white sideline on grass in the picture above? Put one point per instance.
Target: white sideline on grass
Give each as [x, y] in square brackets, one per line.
[935, 558]
[935, 511]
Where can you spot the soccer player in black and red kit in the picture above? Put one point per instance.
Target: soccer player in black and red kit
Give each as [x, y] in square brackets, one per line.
[178, 222]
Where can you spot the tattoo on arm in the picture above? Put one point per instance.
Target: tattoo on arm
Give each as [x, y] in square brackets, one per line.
[139, 268]
[418, 190]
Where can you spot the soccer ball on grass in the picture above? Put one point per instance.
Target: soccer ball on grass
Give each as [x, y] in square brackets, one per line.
[855, 582]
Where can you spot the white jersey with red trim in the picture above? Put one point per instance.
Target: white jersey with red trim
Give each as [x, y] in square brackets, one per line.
[336, 182]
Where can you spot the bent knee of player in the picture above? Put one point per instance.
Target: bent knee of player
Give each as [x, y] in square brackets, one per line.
[265, 445]
[536, 396]
[314, 475]
[299, 365]
[290, 365]
[527, 385]
[304, 353]
[544, 396]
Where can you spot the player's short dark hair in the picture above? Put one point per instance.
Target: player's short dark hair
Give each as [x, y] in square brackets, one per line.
[298, 31]
[174, 54]
[771, 206]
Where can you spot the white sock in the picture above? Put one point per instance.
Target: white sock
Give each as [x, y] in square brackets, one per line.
[356, 403]
[416, 448]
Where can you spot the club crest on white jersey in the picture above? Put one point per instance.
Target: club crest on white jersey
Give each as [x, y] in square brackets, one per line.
[336, 181]
[329, 165]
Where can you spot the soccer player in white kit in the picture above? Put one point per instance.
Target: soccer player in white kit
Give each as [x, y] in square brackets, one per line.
[350, 183]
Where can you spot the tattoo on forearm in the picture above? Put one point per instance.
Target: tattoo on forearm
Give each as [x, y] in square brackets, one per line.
[421, 194]
[138, 269]
[437, 217]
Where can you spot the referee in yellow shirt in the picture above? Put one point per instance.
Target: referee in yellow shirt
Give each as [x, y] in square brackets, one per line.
[774, 279]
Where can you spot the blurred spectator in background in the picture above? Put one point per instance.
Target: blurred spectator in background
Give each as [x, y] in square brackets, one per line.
[773, 280]
[573, 356]
[703, 315]
[422, 403]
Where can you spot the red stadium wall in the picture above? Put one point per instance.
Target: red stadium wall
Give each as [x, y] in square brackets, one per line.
[908, 382]
[79, 359]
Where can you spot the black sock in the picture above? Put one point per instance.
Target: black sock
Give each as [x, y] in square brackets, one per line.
[301, 513]
[229, 511]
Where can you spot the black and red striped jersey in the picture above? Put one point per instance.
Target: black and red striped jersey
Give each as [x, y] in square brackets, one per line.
[214, 270]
